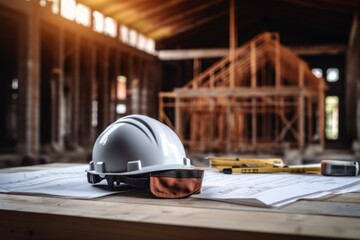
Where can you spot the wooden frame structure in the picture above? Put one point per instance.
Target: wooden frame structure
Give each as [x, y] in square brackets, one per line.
[260, 96]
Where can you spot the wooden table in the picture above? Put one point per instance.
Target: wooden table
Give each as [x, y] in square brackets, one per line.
[135, 215]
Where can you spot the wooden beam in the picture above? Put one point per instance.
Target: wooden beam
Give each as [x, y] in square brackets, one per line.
[76, 93]
[33, 81]
[253, 65]
[244, 92]
[233, 26]
[322, 6]
[151, 12]
[301, 121]
[176, 29]
[352, 80]
[184, 54]
[328, 49]
[118, 7]
[233, 41]
[101, 5]
[181, 15]
[196, 67]
[277, 63]
[132, 12]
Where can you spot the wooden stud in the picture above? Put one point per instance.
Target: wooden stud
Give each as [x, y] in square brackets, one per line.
[76, 93]
[277, 63]
[33, 76]
[253, 65]
[233, 41]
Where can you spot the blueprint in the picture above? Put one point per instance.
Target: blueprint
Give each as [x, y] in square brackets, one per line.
[273, 189]
[69, 182]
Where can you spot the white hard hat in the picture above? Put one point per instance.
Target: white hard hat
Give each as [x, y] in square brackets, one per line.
[137, 144]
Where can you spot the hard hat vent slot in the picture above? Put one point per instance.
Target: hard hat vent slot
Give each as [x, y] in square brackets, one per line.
[133, 165]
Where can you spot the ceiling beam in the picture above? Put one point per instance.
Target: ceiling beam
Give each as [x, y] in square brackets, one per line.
[327, 49]
[181, 15]
[118, 6]
[318, 5]
[176, 29]
[185, 54]
[192, 53]
[154, 10]
[133, 12]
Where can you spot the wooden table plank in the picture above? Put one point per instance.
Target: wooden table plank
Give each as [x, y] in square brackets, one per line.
[135, 215]
[185, 217]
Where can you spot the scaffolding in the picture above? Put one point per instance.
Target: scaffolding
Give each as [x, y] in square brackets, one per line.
[260, 96]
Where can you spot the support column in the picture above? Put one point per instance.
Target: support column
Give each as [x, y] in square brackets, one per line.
[145, 89]
[301, 107]
[277, 62]
[135, 86]
[105, 90]
[113, 87]
[76, 94]
[60, 98]
[196, 67]
[353, 85]
[233, 42]
[93, 105]
[178, 117]
[301, 121]
[32, 134]
[321, 113]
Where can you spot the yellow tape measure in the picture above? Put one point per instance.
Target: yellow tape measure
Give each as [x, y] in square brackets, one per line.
[245, 162]
[231, 165]
[314, 169]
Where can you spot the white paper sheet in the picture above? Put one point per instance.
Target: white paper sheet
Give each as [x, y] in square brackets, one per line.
[272, 190]
[69, 182]
[275, 189]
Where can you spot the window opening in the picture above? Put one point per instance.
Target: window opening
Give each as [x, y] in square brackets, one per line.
[317, 72]
[332, 74]
[332, 117]
[68, 9]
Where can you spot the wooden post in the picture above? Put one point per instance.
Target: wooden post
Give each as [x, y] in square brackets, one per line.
[301, 121]
[310, 123]
[113, 84]
[233, 42]
[105, 90]
[352, 80]
[93, 92]
[76, 94]
[253, 122]
[196, 67]
[253, 65]
[32, 138]
[178, 117]
[301, 74]
[145, 88]
[229, 123]
[321, 113]
[277, 63]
